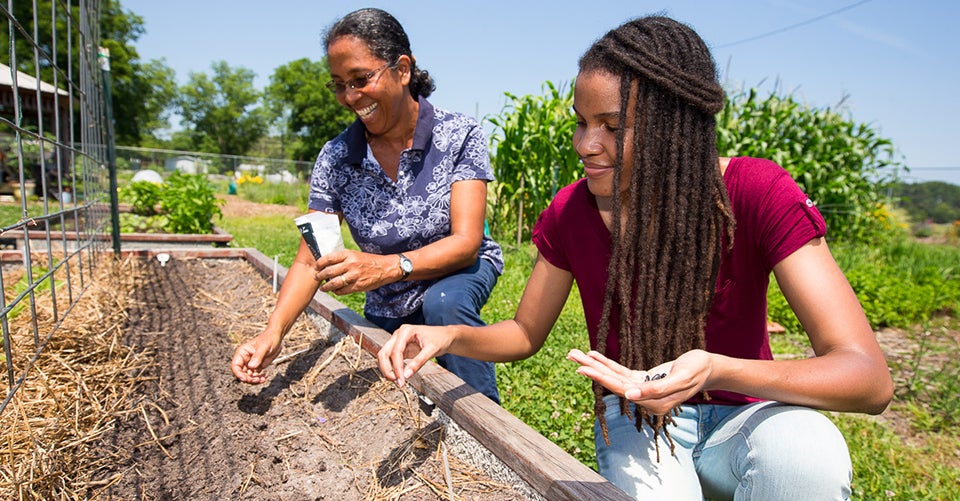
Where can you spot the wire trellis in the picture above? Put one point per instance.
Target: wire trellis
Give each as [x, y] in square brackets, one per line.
[54, 167]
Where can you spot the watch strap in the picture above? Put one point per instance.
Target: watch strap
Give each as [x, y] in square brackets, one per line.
[406, 267]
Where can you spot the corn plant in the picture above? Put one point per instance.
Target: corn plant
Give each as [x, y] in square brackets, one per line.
[843, 166]
[533, 158]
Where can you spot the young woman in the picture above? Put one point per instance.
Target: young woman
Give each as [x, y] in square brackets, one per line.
[410, 180]
[672, 248]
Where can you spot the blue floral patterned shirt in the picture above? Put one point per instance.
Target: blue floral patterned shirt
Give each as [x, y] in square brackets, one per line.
[387, 217]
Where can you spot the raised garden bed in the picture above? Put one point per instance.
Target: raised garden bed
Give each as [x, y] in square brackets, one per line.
[326, 425]
[128, 241]
[14, 239]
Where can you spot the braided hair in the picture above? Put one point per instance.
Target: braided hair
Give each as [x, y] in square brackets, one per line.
[666, 251]
[386, 40]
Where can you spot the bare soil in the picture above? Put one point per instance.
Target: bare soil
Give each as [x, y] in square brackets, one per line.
[326, 425]
[236, 207]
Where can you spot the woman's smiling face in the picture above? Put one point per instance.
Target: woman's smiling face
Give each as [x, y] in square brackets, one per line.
[596, 102]
[377, 102]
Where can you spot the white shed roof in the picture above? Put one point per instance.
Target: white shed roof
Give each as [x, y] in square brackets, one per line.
[25, 81]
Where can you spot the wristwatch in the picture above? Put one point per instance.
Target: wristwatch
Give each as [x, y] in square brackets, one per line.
[406, 266]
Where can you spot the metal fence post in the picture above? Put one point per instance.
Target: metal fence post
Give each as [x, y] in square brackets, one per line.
[103, 55]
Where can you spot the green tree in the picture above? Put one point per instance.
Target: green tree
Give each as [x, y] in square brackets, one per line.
[305, 111]
[157, 87]
[845, 167]
[222, 112]
[935, 200]
[142, 92]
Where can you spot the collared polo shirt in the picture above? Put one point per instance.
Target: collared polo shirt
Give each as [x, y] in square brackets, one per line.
[387, 217]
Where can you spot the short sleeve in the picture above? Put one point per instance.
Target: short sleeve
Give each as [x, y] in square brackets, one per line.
[473, 161]
[325, 178]
[548, 239]
[789, 219]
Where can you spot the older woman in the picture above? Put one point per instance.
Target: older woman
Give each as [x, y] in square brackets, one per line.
[410, 180]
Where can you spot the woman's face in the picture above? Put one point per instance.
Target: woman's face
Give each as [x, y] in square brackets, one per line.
[596, 102]
[378, 103]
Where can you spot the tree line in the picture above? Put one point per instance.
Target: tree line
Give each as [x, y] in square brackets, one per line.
[221, 111]
[934, 201]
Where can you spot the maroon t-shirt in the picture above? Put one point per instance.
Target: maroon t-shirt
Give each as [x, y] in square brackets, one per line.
[774, 219]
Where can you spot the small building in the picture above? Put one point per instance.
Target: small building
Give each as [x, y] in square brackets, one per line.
[53, 101]
[186, 164]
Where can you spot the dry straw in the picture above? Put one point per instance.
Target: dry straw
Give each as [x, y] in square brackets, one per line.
[72, 393]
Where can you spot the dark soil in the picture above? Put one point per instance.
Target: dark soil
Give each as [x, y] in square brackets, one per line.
[326, 426]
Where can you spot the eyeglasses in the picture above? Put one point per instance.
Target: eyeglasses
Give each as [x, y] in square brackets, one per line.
[357, 83]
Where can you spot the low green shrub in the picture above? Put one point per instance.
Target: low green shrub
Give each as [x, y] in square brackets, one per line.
[143, 197]
[189, 203]
[899, 283]
[183, 203]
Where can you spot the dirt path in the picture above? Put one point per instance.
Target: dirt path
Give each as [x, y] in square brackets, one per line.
[234, 206]
[326, 426]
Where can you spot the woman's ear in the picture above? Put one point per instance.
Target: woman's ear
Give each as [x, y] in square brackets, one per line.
[404, 66]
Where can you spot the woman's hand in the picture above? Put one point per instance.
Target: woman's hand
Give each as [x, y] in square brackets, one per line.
[657, 390]
[346, 271]
[416, 344]
[251, 359]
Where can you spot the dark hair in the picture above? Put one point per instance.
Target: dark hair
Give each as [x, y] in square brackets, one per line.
[666, 255]
[386, 40]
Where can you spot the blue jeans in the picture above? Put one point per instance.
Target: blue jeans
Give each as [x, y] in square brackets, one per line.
[759, 451]
[456, 299]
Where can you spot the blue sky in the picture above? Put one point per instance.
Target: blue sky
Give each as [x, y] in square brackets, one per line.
[896, 63]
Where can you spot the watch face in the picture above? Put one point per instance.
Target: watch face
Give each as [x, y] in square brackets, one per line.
[406, 265]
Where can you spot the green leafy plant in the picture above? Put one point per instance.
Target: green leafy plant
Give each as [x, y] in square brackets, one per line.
[134, 223]
[534, 157]
[184, 203]
[22, 285]
[189, 203]
[899, 283]
[143, 196]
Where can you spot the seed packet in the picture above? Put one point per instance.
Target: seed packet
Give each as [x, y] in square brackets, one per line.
[321, 232]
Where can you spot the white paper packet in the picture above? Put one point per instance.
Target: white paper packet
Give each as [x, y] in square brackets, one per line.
[321, 232]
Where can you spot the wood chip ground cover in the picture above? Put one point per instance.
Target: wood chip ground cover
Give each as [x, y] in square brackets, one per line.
[175, 424]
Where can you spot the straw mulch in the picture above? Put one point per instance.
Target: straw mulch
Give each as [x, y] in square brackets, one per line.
[133, 399]
[79, 382]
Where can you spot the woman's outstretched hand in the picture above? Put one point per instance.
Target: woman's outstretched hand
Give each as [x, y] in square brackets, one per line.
[658, 389]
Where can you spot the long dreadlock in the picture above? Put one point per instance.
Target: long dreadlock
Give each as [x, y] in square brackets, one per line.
[666, 252]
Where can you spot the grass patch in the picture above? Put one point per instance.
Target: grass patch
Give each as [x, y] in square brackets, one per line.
[888, 466]
[295, 195]
[273, 235]
[543, 390]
